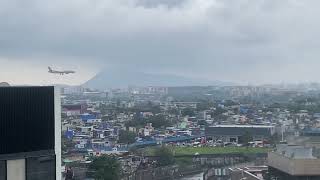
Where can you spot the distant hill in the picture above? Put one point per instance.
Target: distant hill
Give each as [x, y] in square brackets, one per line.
[122, 79]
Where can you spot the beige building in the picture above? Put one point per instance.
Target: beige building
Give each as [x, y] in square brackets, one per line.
[293, 162]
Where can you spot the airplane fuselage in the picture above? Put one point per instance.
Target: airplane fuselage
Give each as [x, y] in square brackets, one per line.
[60, 72]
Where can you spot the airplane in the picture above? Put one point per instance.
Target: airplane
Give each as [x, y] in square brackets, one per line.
[60, 72]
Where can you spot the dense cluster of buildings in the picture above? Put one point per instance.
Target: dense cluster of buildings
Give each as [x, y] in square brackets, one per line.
[93, 121]
[116, 121]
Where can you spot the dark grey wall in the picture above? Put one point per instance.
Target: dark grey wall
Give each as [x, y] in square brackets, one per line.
[26, 119]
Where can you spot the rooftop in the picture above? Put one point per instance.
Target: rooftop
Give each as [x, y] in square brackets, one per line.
[294, 151]
[243, 126]
[294, 160]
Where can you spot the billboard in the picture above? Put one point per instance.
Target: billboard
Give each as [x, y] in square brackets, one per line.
[27, 119]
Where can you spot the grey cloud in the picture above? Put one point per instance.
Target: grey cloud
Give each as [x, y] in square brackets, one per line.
[157, 3]
[231, 40]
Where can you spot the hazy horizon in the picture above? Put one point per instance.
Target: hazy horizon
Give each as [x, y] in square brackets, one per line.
[245, 42]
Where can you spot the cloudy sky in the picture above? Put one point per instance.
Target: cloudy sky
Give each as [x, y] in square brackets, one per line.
[244, 41]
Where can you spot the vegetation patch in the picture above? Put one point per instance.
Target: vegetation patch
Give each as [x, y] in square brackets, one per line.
[179, 151]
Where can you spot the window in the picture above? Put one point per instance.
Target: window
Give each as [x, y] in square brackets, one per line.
[3, 170]
[40, 168]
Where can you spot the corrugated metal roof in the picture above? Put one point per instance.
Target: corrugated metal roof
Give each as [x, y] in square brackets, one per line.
[236, 131]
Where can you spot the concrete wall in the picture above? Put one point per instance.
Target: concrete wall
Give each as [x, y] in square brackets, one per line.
[295, 167]
[16, 169]
[57, 106]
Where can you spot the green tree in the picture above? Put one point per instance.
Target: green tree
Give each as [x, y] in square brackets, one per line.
[246, 138]
[137, 121]
[165, 156]
[173, 111]
[274, 139]
[188, 112]
[159, 121]
[230, 103]
[219, 111]
[66, 144]
[202, 122]
[155, 109]
[105, 168]
[126, 137]
[204, 105]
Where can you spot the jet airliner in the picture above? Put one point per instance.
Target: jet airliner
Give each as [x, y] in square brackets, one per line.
[60, 72]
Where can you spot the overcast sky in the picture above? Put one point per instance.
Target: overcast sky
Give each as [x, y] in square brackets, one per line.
[244, 41]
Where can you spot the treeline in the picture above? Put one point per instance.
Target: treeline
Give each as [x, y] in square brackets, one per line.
[157, 121]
